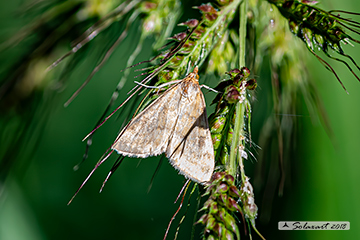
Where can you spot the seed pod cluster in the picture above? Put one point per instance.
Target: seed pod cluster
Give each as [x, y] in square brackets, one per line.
[222, 120]
[323, 28]
[193, 46]
[219, 208]
[319, 29]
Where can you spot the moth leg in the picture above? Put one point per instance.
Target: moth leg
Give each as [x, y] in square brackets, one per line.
[209, 88]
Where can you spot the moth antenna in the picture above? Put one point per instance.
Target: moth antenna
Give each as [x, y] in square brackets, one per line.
[209, 88]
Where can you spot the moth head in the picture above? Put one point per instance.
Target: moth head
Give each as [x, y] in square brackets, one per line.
[195, 73]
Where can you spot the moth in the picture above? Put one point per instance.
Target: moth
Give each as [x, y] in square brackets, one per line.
[175, 124]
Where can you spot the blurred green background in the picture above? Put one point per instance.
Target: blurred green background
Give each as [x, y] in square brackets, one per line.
[33, 197]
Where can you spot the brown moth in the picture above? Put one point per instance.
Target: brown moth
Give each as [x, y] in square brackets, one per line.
[175, 124]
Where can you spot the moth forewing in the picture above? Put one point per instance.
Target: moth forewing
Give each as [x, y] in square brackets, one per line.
[148, 133]
[194, 156]
[186, 115]
[175, 124]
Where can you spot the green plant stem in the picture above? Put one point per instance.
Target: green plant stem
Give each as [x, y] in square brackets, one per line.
[242, 33]
[242, 170]
[239, 122]
[240, 107]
